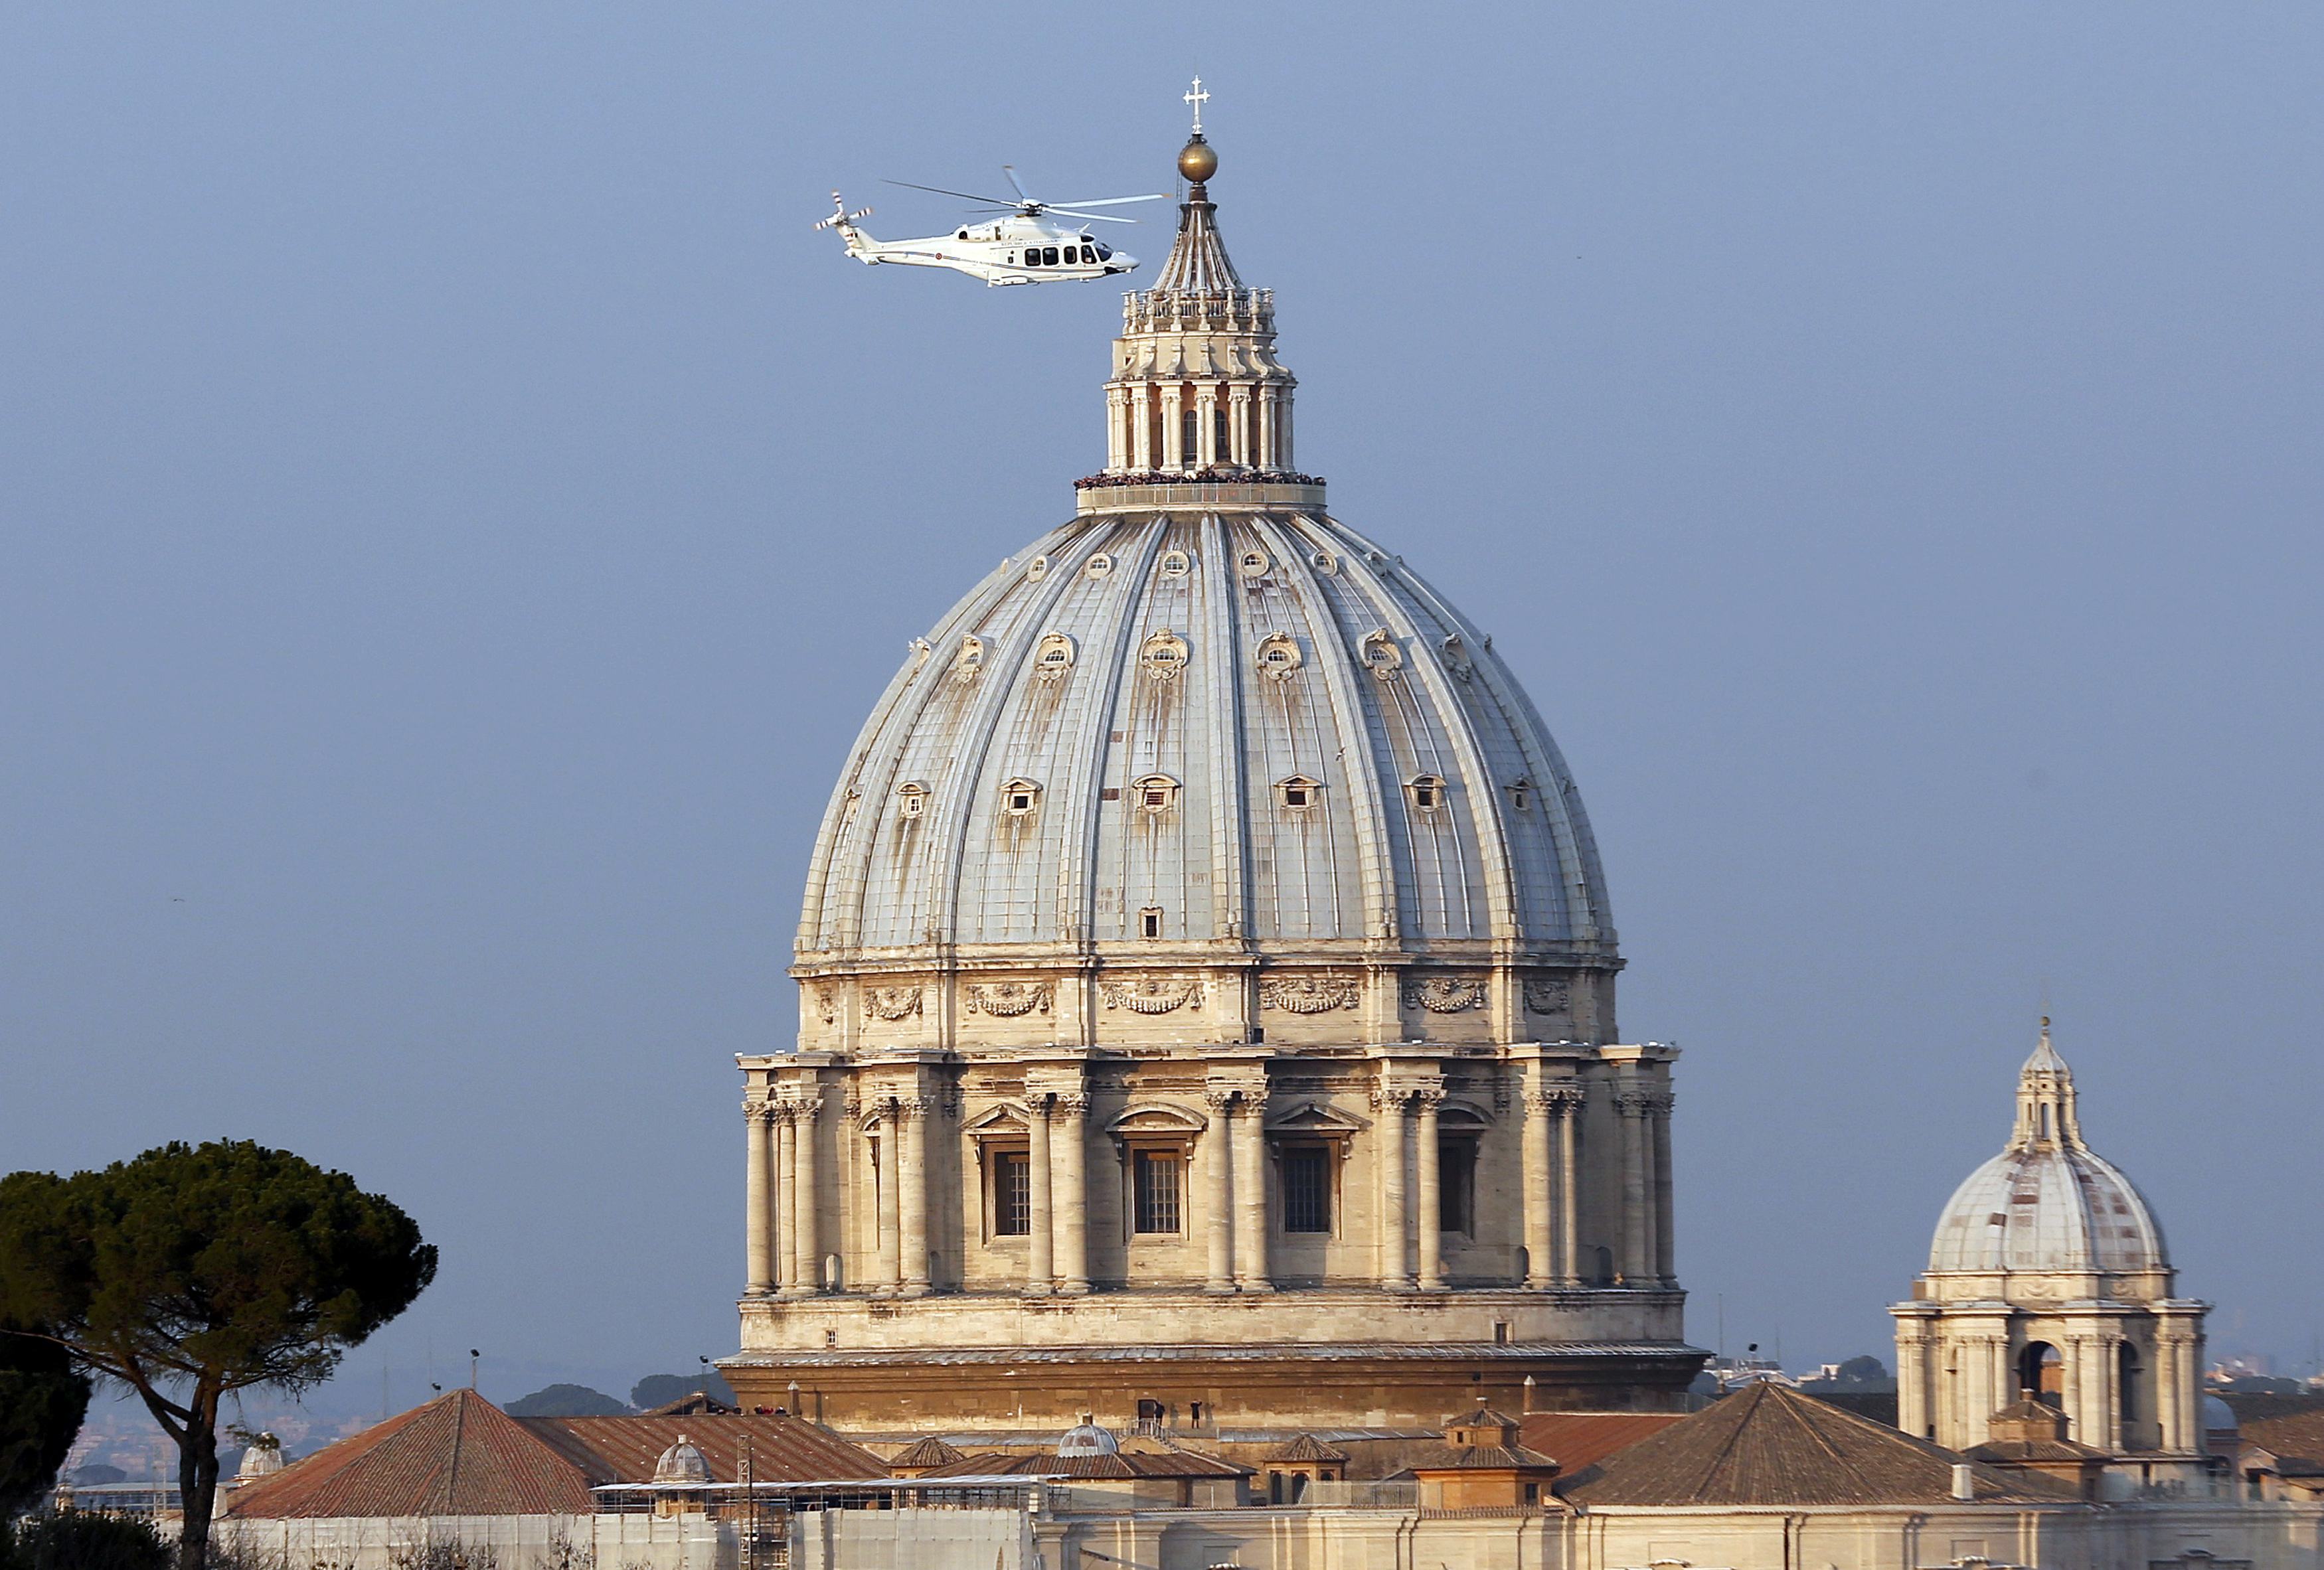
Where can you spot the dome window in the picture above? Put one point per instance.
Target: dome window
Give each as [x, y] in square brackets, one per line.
[1177, 564]
[1382, 655]
[912, 799]
[1020, 797]
[1150, 922]
[1520, 794]
[1153, 793]
[1163, 657]
[969, 661]
[1054, 657]
[1298, 793]
[1428, 792]
[1278, 655]
[1099, 566]
[1255, 563]
[1036, 569]
[1325, 563]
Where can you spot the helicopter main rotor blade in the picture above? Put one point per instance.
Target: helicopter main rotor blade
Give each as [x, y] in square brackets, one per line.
[964, 196]
[1015, 184]
[1092, 217]
[1105, 202]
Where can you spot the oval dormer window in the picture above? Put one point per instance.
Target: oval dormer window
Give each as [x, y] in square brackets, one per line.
[1176, 563]
[1054, 657]
[1278, 655]
[1163, 656]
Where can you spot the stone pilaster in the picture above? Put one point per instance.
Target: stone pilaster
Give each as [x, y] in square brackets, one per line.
[1070, 1130]
[1430, 1195]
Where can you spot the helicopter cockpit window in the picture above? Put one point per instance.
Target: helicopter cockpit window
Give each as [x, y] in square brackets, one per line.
[1089, 253]
[1104, 251]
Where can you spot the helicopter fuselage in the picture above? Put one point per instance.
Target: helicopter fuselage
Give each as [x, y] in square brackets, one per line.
[1006, 251]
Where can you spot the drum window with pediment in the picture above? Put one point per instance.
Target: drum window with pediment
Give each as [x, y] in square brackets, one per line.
[1011, 1184]
[1157, 1182]
[1307, 1181]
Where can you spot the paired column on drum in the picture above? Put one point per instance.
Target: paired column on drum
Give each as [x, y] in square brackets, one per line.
[1250, 1192]
[1646, 1250]
[1430, 1198]
[1057, 1127]
[1552, 1184]
[1233, 1156]
[759, 1198]
[802, 1190]
[1396, 1164]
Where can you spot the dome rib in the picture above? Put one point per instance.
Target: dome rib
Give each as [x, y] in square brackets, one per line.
[1341, 670]
[1231, 870]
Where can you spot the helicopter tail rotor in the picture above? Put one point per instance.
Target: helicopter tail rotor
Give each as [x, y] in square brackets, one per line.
[840, 218]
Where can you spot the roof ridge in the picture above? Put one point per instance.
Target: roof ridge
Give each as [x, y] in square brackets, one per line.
[1743, 1415]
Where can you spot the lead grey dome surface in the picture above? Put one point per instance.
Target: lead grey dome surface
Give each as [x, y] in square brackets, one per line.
[2048, 1202]
[1231, 725]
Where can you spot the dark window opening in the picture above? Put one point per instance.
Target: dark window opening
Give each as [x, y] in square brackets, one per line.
[1048, 256]
[1150, 922]
[1307, 1188]
[1104, 251]
[1012, 1193]
[1089, 254]
[1456, 1185]
[1156, 1179]
[1426, 791]
[1294, 796]
[1190, 438]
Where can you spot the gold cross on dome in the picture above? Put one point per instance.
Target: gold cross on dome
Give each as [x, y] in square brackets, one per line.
[1197, 98]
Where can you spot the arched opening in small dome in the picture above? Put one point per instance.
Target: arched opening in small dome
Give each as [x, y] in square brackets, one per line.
[2042, 1374]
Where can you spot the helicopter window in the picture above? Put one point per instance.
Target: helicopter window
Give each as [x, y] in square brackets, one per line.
[962, 235]
[1048, 256]
[1032, 256]
[1104, 251]
[1089, 253]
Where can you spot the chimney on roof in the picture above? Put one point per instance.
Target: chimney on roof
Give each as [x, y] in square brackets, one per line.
[1964, 1480]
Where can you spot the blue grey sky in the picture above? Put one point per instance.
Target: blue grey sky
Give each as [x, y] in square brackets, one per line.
[453, 514]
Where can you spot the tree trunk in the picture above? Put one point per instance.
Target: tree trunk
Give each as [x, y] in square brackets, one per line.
[197, 1470]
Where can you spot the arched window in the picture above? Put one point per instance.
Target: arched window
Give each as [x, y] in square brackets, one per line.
[2132, 1396]
[1428, 792]
[912, 798]
[2042, 1374]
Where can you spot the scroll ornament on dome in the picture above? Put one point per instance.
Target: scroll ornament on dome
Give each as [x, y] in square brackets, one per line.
[1309, 993]
[1008, 1000]
[1444, 994]
[1152, 994]
[891, 1002]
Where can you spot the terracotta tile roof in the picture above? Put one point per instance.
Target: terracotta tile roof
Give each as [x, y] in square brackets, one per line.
[783, 1449]
[1769, 1446]
[2293, 1434]
[928, 1451]
[457, 1455]
[1123, 1464]
[1480, 1458]
[1582, 1439]
[1306, 1447]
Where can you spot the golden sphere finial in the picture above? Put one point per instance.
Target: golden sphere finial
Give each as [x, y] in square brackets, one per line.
[1196, 162]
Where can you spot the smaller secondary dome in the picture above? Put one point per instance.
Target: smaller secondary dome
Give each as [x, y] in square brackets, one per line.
[2048, 1202]
[682, 1463]
[264, 1456]
[1196, 161]
[1085, 1438]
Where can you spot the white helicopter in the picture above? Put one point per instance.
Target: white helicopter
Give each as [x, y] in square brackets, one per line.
[1023, 247]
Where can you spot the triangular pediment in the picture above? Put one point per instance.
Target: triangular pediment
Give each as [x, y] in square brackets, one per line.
[1314, 1117]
